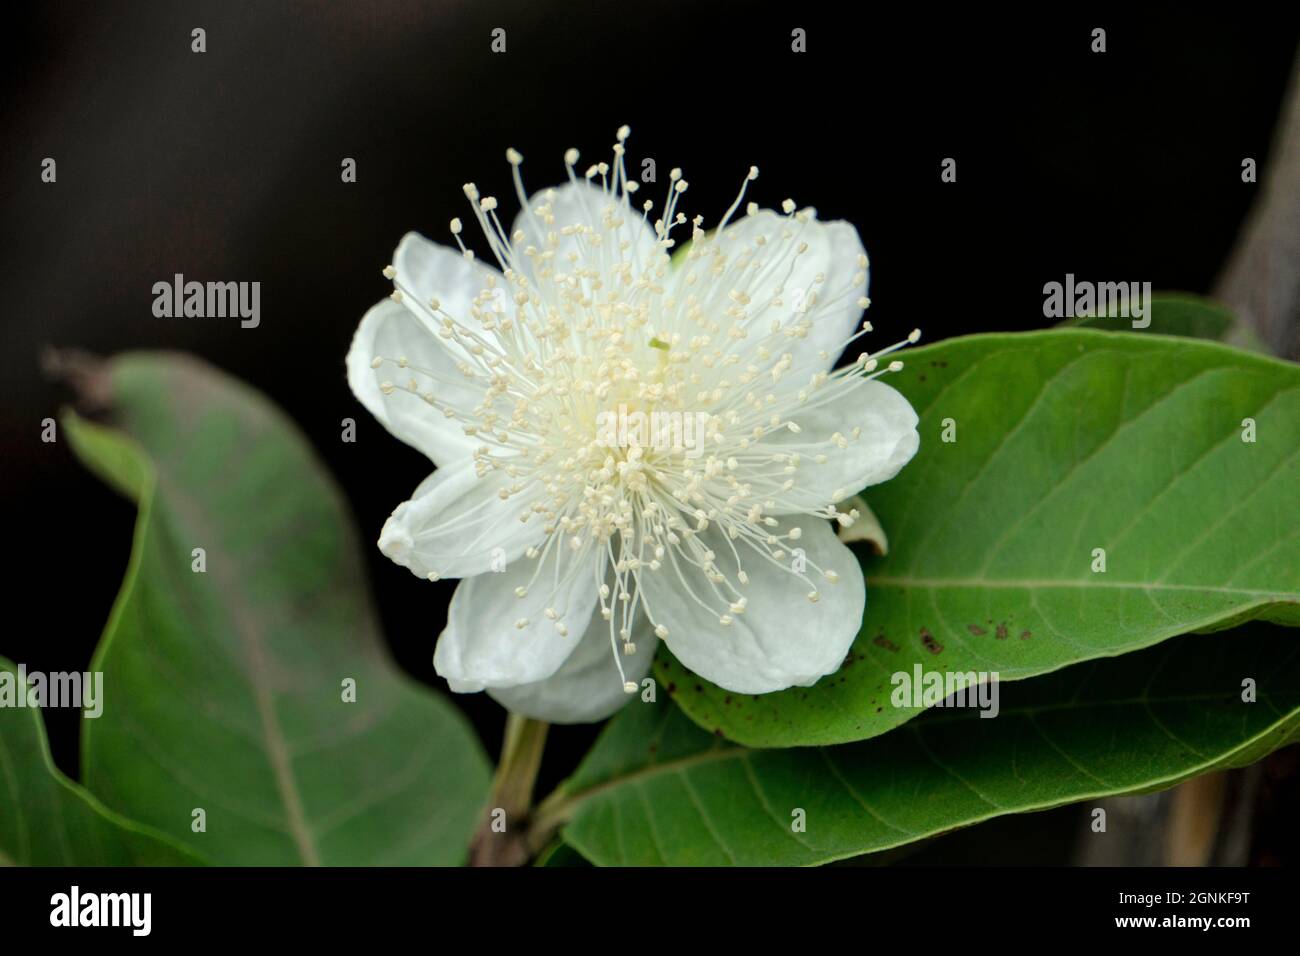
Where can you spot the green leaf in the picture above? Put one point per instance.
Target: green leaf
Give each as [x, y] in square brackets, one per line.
[560, 855]
[1181, 314]
[1066, 442]
[47, 820]
[658, 790]
[225, 688]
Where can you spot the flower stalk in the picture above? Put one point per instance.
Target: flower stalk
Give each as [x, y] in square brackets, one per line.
[501, 839]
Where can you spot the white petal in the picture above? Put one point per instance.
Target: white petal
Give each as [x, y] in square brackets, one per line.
[390, 331]
[482, 646]
[465, 686]
[427, 271]
[456, 525]
[588, 687]
[582, 204]
[887, 441]
[830, 307]
[782, 639]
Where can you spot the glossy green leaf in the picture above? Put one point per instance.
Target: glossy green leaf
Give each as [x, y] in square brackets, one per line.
[658, 790]
[1066, 442]
[226, 687]
[47, 820]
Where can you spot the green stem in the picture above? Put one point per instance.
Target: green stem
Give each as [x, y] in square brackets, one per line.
[521, 757]
[551, 814]
[512, 791]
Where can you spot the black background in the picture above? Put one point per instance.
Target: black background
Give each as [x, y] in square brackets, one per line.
[338, 906]
[1122, 166]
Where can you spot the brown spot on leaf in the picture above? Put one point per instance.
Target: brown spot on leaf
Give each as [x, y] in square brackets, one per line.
[931, 645]
[976, 629]
[1001, 633]
[1025, 635]
[881, 641]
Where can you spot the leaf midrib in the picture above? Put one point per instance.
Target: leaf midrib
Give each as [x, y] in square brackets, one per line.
[275, 745]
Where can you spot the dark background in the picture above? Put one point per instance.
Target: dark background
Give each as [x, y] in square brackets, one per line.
[226, 165]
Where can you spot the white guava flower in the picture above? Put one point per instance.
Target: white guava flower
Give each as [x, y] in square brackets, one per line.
[631, 447]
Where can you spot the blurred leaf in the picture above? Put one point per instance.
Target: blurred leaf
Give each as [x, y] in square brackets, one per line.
[1180, 314]
[224, 689]
[47, 820]
[658, 790]
[1066, 442]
